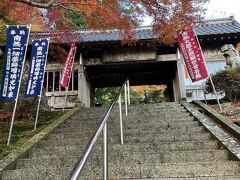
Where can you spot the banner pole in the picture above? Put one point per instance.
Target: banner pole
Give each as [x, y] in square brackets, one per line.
[36, 119]
[205, 97]
[66, 90]
[40, 95]
[210, 78]
[16, 100]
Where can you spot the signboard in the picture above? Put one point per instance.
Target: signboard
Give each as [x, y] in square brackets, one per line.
[192, 55]
[17, 40]
[68, 67]
[37, 67]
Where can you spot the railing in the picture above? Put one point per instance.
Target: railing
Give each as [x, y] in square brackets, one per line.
[103, 127]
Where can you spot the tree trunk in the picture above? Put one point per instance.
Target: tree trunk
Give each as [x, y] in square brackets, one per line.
[37, 3]
[1, 52]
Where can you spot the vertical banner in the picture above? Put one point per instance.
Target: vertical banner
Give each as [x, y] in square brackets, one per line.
[68, 67]
[37, 67]
[16, 45]
[192, 55]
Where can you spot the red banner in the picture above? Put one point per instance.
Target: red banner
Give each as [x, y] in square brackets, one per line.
[192, 55]
[68, 67]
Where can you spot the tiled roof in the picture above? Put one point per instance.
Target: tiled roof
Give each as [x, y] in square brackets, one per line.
[218, 26]
[145, 33]
[212, 27]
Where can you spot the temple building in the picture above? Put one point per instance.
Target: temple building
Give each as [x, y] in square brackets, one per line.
[103, 61]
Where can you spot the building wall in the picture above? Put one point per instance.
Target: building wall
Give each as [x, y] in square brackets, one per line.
[81, 89]
[195, 91]
[129, 54]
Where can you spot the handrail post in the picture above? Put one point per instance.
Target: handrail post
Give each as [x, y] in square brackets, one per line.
[125, 96]
[105, 153]
[120, 114]
[102, 128]
[128, 92]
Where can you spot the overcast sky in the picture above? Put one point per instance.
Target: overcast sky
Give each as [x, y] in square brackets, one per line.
[217, 9]
[223, 8]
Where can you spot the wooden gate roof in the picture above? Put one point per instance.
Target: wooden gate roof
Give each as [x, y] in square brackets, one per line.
[206, 28]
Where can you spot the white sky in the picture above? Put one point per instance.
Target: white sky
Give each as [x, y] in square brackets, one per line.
[217, 9]
[223, 8]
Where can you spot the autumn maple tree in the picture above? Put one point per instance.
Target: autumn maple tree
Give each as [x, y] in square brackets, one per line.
[168, 16]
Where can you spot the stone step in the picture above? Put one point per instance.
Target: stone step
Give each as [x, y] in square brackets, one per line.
[147, 107]
[133, 109]
[155, 111]
[157, 131]
[90, 127]
[92, 109]
[167, 138]
[161, 141]
[156, 138]
[195, 178]
[75, 150]
[155, 105]
[64, 142]
[44, 173]
[192, 170]
[159, 105]
[150, 119]
[194, 156]
[180, 170]
[122, 157]
[158, 115]
[132, 118]
[95, 160]
[128, 132]
[140, 115]
[144, 138]
[128, 120]
[111, 131]
[160, 109]
[164, 125]
[113, 123]
[129, 139]
[135, 113]
[140, 126]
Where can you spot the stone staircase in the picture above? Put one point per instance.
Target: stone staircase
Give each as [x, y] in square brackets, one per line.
[161, 141]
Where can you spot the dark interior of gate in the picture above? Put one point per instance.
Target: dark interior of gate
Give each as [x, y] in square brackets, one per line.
[138, 73]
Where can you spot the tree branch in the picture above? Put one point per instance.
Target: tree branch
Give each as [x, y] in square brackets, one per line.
[67, 8]
[49, 3]
[37, 4]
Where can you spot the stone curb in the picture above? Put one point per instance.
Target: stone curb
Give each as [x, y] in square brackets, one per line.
[218, 118]
[9, 161]
[224, 138]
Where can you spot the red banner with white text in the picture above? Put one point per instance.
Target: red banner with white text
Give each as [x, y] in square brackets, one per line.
[192, 55]
[68, 67]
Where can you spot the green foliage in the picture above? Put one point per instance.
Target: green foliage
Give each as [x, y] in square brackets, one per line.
[2, 42]
[1, 67]
[23, 130]
[2, 31]
[104, 96]
[136, 96]
[227, 81]
[76, 20]
[159, 97]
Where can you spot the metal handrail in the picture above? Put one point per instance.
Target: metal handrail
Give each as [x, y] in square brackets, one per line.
[103, 127]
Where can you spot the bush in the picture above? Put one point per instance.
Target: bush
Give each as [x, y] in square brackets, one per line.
[104, 96]
[227, 81]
